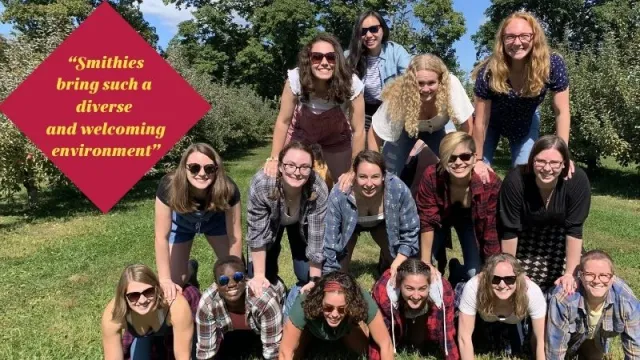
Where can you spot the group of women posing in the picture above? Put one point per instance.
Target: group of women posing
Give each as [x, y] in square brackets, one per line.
[365, 109]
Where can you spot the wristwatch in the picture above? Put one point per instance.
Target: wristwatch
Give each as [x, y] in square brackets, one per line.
[315, 279]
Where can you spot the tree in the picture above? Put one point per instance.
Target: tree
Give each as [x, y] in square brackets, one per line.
[29, 16]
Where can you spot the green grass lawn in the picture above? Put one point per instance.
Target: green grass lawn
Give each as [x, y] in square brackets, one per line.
[59, 264]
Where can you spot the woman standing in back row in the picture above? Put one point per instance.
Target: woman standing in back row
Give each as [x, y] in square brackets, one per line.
[509, 87]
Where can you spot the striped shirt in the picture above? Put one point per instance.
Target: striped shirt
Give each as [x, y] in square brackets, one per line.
[263, 314]
[372, 82]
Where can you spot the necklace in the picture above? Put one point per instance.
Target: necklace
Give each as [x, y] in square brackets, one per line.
[546, 202]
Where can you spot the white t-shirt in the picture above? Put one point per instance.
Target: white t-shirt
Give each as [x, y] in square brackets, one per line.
[391, 130]
[318, 105]
[537, 303]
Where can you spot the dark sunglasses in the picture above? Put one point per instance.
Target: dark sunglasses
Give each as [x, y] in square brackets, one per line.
[463, 157]
[316, 57]
[208, 169]
[135, 295]
[329, 309]
[237, 277]
[509, 280]
[374, 30]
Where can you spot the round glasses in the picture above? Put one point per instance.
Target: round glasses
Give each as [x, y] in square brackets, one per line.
[525, 38]
[238, 276]
[290, 169]
[554, 164]
[589, 277]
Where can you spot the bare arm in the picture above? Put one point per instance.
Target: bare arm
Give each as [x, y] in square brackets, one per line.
[538, 338]
[111, 338]
[357, 125]
[290, 341]
[259, 281]
[465, 330]
[426, 244]
[288, 103]
[563, 116]
[374, 142]
[483, 112]
[380, 335]
[510, 246]
[182, 323]
[233, 218]
[162, 228]
[467, 126]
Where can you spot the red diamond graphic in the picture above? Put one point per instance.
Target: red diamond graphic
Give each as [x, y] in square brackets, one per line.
[104, 153]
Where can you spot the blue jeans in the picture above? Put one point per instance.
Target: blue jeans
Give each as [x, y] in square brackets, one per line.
[470, 251]
[396, 153]
[520, 150]
[288, 303]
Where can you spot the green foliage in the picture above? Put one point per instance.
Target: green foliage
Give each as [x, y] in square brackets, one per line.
[238, 118]
[255, 42]
[32, 17]
[605, 116]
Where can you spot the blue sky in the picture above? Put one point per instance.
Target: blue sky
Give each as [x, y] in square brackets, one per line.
[166, 18]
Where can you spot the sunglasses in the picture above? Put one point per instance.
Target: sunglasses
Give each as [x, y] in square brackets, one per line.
[373, 29]
[463, 157]
[316, 57]
[509, 280]
[329, 309]
[208, 169]
[237, 277]
[134, 296]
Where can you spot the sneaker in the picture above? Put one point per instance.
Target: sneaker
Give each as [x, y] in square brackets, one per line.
[193, 270]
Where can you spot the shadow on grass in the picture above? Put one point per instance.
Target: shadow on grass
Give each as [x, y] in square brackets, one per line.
[620, 182]
[358, 268]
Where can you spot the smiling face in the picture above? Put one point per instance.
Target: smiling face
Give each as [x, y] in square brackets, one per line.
[333, 308]
[517, 38]
[597, 278]
[234, 290]
[503, 290]
[296, 168]
[369, 179]
[415, 290]
[464, 162]
[140, 297]
[323, 68]
[372, 40]
[201, 180]
[428, 82]
[547, 165]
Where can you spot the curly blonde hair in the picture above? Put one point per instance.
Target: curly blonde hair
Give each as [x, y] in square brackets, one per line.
[486, 296]
[403, 94]
[537, 66]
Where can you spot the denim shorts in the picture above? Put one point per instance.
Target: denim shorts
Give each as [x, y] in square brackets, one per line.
[184, 227]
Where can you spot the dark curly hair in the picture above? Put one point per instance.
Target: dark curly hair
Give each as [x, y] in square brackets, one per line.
[339, 84]
[356, 306]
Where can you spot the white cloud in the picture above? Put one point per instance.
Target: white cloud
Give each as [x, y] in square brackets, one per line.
[169, 15]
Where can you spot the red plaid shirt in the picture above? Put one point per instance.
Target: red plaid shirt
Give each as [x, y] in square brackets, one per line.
[434, 325]
[434, 206]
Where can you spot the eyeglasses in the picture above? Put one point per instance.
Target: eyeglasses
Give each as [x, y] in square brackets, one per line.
[329, 309]
[316, 57]
[223, 280]
[208, 169]
[554, 164]
[510, 38]
[605, 278]
[134, 296]
[290, 169]
[373, 29]
[463, 157]
[509, 280]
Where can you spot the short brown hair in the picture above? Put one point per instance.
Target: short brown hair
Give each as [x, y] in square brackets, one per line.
[372, 157]
[547, 142]
[138, 273]
[596, 255]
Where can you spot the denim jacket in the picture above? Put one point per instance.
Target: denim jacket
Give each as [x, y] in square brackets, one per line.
[400, 216]
[394, 61]
[567, 323]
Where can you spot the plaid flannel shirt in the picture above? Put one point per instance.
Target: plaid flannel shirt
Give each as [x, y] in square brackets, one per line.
[434, 206]
[400, 216]
[567, 322]
[434, 323]
[263, 314]
[263, 214]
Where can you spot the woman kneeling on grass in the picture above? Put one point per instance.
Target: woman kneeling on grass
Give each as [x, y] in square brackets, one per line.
[153, 327]
[335, 309]
[503, 297]
[418, 311]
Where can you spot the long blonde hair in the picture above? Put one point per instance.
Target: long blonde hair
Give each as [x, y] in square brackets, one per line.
[486, 296]
[536, 68]
[139, 273]
[403, 94]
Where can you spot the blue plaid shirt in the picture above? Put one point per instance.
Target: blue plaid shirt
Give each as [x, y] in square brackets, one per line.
[567, 323]
[400, 216]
